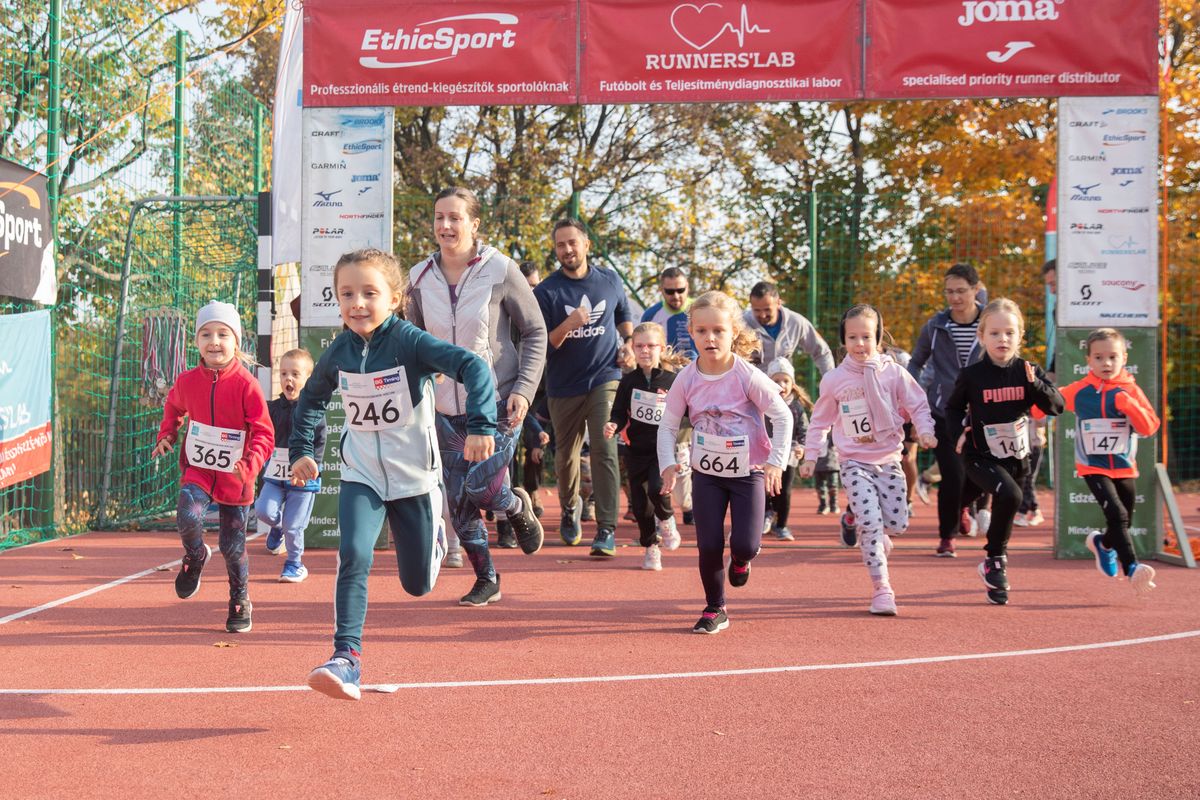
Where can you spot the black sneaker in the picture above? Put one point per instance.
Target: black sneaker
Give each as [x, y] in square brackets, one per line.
[482, 593]
[849, 530]
[187, 582]
[525, 525]
[739, 572]
[239, 621]
[689, 518]
[713, 620]
[997, 597]
[992, 570]
[504, 535]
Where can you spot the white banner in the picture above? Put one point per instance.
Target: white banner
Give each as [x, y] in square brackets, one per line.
[347, 167]
[286, 138]
[1108, 211]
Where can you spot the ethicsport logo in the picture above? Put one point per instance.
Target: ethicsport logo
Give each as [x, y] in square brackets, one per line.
[1121, 139]
[361, 146]
[441, 44]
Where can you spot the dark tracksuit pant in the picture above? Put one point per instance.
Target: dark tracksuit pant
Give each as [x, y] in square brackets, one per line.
[1116, 497]
[745, 500]
[645, 495]
[1002, 480]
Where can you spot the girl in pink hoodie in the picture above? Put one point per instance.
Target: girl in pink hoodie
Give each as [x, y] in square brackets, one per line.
[866, 400]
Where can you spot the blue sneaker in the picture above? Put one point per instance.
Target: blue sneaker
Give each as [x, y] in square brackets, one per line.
[605, 543]
[568, 527]
[338, 677]
[1106, 560]
[293, 573]
[275, 541]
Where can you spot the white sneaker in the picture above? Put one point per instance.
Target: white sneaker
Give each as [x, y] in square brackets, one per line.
[1035, 518]
[768, 522]
[1142, 579]
[983, 519]
[883, 601]
[653, 559]
[1021, 520]
[669, 534]
[454, 559]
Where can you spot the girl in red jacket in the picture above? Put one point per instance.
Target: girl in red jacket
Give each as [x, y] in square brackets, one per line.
[229, 437]
[1111, 412]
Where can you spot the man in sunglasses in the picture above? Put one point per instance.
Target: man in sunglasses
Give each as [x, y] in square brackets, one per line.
[671, 311]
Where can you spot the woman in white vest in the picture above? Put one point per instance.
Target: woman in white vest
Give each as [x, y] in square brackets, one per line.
[474, 296]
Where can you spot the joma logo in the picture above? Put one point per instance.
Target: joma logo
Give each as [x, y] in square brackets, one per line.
[1007, 11]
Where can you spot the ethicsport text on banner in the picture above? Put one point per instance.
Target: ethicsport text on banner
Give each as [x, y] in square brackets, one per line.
[25, 427]
[1011, 48]
[463, 53]
[26, 239]
[347, 198]
[667, 51]
[1108, 212]
[1078, 512]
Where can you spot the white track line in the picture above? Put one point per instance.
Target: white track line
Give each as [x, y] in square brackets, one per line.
[101, 588]
[393, 687]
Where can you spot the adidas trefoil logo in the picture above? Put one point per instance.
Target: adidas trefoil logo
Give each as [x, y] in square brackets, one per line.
[594, 314]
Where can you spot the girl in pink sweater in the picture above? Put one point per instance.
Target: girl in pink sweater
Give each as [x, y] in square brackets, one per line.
[866, 400]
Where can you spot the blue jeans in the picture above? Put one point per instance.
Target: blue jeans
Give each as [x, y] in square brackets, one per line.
[474, 486]
[286, 507]
[193, 502]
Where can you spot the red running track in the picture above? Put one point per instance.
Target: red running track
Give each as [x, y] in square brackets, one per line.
[1114, 721]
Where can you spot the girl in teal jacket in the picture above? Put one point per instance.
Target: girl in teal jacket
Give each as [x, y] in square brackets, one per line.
[384, 368]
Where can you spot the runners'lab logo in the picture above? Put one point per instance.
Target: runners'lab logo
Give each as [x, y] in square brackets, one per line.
[594, 314]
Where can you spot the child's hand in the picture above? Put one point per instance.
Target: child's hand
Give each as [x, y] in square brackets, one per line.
[962, 439]
[798, 452]
[927, 440]
[610, 429]
[535, 455]
[772, 479]
[668, 478]
[807, 469]
[305, 469]
[239, 469]
[517, 408]
[479, 447]
[1029, 376]
[543, 438]
[161, 449]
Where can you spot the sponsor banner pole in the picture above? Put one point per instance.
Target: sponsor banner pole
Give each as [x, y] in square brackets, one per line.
[286, 136]
[1078, 513]
[347, 157]
[266, 294]
[1108, 211]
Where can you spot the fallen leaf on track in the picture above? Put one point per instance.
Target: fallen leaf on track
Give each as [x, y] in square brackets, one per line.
[163, 568]
[718, 733]
[224, 644]
[285, 747]
[76, 556]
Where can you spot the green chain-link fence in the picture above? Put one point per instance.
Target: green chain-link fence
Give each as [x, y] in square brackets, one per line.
[110, 102]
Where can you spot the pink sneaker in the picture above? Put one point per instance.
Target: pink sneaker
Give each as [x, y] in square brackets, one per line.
[883, 601]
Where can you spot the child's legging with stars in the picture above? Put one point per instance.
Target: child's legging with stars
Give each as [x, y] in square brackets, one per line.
[877, 496]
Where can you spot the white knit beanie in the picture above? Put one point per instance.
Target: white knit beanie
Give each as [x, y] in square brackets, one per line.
[225, 313]
[781, 365]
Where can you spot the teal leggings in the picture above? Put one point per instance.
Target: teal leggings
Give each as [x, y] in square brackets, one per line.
[414, 522]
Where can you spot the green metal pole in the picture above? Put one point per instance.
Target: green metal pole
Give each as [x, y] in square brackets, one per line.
[177, 171]
[56, 495]
[573, 206]
[814, 252]
[54, 112]
[258, 147]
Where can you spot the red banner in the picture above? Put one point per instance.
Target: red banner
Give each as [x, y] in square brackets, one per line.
[454, 52]
[654, 51]
[1011, 48]
[26, 455]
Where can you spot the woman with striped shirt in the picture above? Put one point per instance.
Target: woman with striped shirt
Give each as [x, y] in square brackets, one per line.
[947, 343]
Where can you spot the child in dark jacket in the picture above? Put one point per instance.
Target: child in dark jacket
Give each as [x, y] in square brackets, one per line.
[637, 410]
[987, 417]
[798, 402]
[283, 508]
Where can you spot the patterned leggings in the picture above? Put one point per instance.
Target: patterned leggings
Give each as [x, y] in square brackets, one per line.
[193, 502]
[877, 496]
